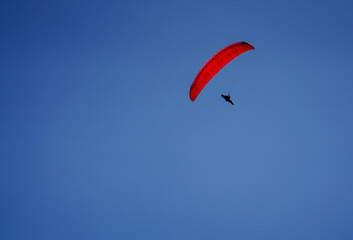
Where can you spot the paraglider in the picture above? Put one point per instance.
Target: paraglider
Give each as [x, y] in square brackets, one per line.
[215, 64]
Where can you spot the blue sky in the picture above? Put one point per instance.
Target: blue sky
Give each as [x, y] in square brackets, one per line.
[99, 140]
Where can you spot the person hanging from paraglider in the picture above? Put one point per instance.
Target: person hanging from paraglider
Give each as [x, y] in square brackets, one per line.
[227, 98]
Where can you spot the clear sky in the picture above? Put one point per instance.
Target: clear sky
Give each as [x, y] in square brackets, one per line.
[99, 140]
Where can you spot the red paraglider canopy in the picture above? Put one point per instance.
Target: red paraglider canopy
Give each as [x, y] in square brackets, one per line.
[216, 63]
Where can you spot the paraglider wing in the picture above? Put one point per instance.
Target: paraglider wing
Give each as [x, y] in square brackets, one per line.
[216, 63]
